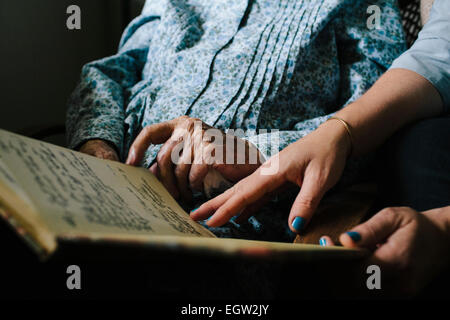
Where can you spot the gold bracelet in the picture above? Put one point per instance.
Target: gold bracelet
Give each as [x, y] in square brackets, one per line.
[347, 128]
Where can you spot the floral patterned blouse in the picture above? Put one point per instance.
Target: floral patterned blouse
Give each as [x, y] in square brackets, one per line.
[235, 64]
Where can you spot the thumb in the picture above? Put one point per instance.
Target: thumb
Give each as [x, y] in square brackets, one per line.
[373, 231]
[306, 202]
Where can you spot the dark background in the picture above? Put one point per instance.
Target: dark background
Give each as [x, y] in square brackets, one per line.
[41, 60]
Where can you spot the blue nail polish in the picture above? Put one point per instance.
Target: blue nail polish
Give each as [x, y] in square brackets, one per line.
[194, 209]
[323, 242]
[298, 223]
[354, 235]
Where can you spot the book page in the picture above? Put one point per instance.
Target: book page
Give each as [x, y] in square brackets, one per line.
[79, 194]
[8, 179]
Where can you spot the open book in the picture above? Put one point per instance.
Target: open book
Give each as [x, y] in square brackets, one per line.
[49, 194]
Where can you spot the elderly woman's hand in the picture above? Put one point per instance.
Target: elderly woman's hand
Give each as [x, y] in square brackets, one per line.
[315, 163]
[409, 247]
[190, 149]
[100, 149]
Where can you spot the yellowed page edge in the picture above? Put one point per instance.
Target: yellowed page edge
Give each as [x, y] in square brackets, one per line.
[20, 215]
[228, 246]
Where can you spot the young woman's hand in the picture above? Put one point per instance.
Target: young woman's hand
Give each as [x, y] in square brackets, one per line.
[190, 149]
[315, 163]
[100, 149]
[409, 247]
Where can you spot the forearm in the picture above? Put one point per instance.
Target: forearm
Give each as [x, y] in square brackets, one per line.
[273, 141]
[399, 97]
[86, 121]
[96, 107]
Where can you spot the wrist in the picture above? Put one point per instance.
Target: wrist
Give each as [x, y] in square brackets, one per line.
[102, 142]
[91, 147]
[338, 136]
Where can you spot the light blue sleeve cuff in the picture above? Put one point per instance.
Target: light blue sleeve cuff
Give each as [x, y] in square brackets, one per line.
[435, 71]
[430, 54]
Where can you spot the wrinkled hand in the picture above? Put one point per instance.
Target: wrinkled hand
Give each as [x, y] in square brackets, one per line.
[190, 149]
[409, 247]
[315, 163]
[100, 149]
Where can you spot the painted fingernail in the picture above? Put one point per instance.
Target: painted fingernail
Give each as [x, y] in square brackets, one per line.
[354, 235]
[323, 242]
[194, 210]
[298, 223]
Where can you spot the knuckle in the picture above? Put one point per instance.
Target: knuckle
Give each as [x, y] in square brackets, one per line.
[194, 182]
[92, 143]
[110, 154]
[233, 190]
[208, 207]
[307, 202]
[179, 172]
[146, 129]
[412, 214]
[190, 126]
[177, 138]
[191, 123]
[390, 211]
[399, 215]
[159, 157]
[237, 189]
[183, 118]
[86, 149]
[162, 157]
